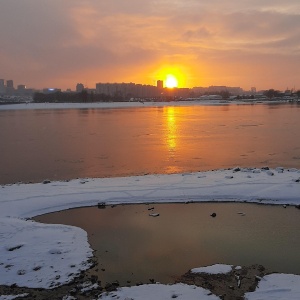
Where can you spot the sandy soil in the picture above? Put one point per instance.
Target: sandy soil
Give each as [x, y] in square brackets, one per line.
[231, 286]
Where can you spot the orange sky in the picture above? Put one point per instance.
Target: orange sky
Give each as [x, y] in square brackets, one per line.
[211, 42]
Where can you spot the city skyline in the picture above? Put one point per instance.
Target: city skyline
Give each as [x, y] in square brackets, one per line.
[57, 43]
[113, 88]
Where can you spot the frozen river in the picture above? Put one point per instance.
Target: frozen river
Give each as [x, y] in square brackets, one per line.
[62, 144]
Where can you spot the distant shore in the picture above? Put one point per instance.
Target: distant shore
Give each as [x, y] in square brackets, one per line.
[135, 104]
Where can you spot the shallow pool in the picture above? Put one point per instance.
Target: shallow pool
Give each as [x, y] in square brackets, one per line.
[132, 246]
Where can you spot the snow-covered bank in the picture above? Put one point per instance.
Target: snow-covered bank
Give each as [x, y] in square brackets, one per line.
[270, 287]
[41, 255]
[277, 286]
[161, 292]
[278, 186]
[36, 255]
[23, 106]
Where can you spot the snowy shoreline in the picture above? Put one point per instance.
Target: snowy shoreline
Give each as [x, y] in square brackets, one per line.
[104, 105]
[44, 256]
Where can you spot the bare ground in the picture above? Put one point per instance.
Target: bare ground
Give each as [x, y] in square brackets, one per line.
[231, 286]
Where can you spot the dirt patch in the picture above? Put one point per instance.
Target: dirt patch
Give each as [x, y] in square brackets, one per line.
[230, 286]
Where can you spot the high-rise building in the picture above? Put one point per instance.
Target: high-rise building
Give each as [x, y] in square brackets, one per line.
[10, 84]
[160, 84]
[10, 87]
[2, 87]
[79, 87]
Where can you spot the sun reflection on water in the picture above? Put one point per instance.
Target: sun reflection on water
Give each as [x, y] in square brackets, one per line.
[171, 131]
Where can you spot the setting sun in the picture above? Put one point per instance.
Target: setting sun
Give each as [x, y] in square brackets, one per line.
[171, 81]
[172, 76]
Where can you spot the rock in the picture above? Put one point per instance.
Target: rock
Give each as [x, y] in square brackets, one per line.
[94, 279]
[110, 287]
[72, 292]
[101, 205]
[115, 283]
[154, 215]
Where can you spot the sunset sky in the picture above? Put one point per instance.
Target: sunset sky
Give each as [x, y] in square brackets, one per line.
[58, 43]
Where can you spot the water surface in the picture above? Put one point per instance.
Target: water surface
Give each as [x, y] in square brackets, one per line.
[70, 143]
[132, 246]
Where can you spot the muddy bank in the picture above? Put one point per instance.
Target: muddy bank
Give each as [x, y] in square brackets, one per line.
[228, 286]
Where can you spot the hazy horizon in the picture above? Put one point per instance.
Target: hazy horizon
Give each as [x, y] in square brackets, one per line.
[60, 43]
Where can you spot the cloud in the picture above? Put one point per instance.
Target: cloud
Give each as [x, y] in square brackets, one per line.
[63, 41]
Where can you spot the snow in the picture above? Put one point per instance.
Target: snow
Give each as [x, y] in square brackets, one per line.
[11, 297]
[214, 269]
[41, 255]
[162, 292]
[248, 184]
[277, 286]
[25, 106]
[45, 256]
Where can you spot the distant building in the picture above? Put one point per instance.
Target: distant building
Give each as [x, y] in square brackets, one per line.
[2, 87]
[21, 89]
[10, 84]
[160, 84]
[212, 90]
[253, 90]
[10, 87]
[79, 87]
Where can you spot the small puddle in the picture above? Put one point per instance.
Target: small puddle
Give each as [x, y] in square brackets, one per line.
[132, 246]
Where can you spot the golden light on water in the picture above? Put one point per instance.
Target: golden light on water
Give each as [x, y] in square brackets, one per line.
[171, 134]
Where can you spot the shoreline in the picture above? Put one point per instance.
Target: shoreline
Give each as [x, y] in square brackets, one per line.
[18, 202]
[223, 285]
[123, 105]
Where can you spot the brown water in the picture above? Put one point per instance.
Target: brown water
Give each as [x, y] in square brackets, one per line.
[66, 144]
[132, 246]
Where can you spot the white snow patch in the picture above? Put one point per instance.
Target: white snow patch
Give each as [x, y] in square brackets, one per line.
[214, 269]
[277, 287]
[68, 297]
[162, 292]
[11, 297]
[25, 258]
[88, 286]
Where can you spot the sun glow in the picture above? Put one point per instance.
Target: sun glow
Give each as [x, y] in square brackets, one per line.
[172, 76]
[171, 81]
